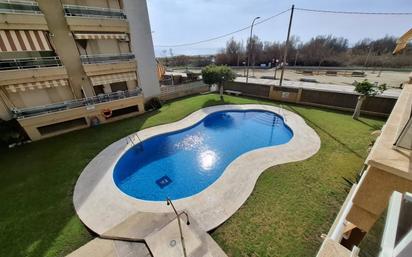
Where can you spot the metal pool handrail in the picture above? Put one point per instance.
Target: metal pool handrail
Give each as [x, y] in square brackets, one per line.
[169, 202]
[130, 138]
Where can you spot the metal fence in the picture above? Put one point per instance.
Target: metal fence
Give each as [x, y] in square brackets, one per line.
[97, 12]
[106, 58]
[30, 63]
[89, 101]
[13, 6]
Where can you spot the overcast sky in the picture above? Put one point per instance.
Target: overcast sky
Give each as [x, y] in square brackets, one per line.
[185, 21]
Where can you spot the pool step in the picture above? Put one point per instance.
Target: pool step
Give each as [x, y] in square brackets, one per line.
[267, 119]
[167, 242]
[111, 248]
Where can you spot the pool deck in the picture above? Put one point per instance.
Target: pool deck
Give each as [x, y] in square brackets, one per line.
[112, 214]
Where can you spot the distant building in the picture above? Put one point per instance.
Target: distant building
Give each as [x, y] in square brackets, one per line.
[68, 64]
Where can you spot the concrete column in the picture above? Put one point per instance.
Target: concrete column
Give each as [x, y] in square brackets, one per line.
[131, 84]
[65, 46]
[4, 110]
[373, 196]
[299, 95]
[142, 46]
[107, 89]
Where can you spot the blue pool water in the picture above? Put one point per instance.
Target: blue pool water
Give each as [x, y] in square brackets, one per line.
[185, 162]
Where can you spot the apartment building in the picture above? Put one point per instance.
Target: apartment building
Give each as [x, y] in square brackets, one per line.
[70, 64]
[388, 170]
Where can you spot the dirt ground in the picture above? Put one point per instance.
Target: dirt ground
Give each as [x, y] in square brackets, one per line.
[392, 78]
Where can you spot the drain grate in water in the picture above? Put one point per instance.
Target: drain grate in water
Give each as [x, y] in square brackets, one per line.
[163, 181]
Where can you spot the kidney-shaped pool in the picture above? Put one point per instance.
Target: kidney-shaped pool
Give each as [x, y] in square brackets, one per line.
[185, 162]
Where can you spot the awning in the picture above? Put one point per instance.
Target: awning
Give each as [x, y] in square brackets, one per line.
[95, 36]
[402, 42]
[24, 40]
[113, 78]
[37, 85]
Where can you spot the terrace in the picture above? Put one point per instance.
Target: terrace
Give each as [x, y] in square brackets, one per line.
[291, 206]
[77, 103]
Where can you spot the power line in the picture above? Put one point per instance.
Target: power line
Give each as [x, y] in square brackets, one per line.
[353, 12]
[225, 35]
[280, 13]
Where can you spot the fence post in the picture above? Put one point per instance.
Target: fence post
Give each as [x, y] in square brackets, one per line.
[299, 95]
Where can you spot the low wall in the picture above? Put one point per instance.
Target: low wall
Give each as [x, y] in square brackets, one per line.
[378, 105]
[172, 92]
[56, 123]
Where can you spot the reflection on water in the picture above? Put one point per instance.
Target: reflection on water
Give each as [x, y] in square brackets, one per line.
[207, 159]
[195, 157]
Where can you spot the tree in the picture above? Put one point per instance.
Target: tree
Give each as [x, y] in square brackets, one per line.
[213, 74]
[365, 89]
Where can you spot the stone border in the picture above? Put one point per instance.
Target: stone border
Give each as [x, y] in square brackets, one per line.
[101, 205]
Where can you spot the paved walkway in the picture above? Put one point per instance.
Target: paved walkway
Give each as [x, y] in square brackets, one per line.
[391, 92]
[161, 240]
[111, 248]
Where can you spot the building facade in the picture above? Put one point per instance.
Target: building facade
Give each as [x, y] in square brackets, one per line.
[388, 169]
[69, 64]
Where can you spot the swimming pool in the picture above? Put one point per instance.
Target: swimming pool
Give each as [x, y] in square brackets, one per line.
[183, 163]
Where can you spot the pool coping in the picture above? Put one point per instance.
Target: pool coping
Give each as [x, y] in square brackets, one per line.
[101, 205]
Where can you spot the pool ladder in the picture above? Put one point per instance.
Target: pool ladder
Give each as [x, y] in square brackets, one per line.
[169, 202]
[130, 139]
[282, 113]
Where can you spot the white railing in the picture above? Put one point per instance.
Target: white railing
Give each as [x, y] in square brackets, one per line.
[106, 58]
[93, 12]
[30, 63]
[405, 137]
[71, 104]
[15, 6]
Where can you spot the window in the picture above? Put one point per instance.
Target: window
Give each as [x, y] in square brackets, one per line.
[99, 89]
[118, 86]
[61, 126]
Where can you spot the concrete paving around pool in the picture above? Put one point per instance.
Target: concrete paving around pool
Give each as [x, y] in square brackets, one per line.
[112, 214]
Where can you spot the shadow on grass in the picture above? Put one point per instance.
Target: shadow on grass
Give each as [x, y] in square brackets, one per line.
[326, 132]
[214, 102]
[37, 212]
[372, 126]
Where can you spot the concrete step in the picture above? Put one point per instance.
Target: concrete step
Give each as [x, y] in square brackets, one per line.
[111, 248]
[167, 241]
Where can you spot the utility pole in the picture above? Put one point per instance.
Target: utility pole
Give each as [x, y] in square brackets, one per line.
[250, 49]
[286, 46]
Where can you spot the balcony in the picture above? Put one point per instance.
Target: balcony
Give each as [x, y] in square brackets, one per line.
[106, 58]
[10, 6]
[95, 65]
[21, 15]
[85, 18]
[30, 63]
[93, 12]
[67, 105]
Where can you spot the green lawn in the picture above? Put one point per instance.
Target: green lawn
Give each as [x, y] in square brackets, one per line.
[290, 207]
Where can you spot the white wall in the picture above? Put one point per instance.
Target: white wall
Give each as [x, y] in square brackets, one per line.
[142, 46]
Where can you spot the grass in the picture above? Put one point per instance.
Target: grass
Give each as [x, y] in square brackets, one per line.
[291, 205]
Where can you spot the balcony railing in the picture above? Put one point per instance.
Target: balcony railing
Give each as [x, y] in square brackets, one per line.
[405, 137]
[50, 108]
[106, 58]
[14, 6]
[93, 12]
[30, 63]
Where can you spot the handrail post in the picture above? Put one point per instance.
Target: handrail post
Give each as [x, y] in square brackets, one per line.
[169, 202]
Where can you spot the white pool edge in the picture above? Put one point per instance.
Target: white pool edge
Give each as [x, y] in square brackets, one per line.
[101, 205]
